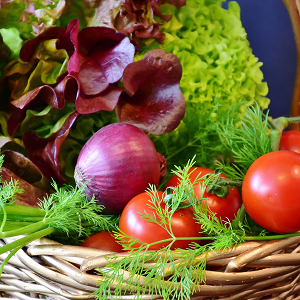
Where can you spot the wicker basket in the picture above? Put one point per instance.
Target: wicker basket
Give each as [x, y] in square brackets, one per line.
[252, 270]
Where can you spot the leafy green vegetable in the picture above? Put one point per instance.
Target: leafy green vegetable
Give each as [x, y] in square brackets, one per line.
[10, 13]
[11, 38]
[219, 69]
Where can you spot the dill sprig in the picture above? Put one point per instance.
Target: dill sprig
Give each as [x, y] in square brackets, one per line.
[67, 210]
[246, 141]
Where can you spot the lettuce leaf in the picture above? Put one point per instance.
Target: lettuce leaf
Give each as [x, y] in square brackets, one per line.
[135, 19]
[10, 13]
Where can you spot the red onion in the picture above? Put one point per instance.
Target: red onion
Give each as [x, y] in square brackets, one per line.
[119, 161]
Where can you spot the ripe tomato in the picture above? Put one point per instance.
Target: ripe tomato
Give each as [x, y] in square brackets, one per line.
[270, 191]
[104, 241]
[224, 208]
[131, 222]
[290, 140]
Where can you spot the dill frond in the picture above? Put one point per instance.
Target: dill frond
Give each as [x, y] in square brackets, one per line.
[247, 141]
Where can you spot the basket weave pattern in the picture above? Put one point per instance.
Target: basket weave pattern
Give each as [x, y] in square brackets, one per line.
[252, 270]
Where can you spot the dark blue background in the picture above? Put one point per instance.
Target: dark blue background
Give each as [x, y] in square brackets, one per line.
[271, 37]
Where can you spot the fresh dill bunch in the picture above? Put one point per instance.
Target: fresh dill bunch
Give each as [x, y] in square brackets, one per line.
[184, 192]
[68, 208]
[246, 141]
[67, 211]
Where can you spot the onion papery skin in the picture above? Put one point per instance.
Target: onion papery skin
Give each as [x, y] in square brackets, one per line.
[119, 161]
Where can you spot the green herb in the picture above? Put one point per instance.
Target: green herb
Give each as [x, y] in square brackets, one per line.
[246, 141]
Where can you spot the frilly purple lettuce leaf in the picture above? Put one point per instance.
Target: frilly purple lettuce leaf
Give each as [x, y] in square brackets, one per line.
[38, 97]
[12, 144]
[106, 100]
[154, 101]
[133, 18]
[100, 57]
[33, 79]
[29, 48]
[46, 121]
[44, 152]
[42, 14]
[41, 64]
[34, 184]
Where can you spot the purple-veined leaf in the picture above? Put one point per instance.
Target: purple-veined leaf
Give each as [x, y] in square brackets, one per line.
[154, 101]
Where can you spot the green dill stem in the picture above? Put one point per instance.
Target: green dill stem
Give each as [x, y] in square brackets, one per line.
[25, 230]
[23, 219]
[270, 237]
[26, 240]
[12, 225]
[4, 218]
[182, 239]
[26, 211]
[246, 238]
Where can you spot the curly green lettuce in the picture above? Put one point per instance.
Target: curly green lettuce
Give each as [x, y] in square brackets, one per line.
[219, 70]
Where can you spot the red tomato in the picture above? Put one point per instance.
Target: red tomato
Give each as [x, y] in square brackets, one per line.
[182, 222]
[224, 208]
[290, 140]
[103, 241]
[270, 191]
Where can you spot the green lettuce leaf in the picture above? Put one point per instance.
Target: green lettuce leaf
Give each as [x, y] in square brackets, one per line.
[47, 121]
[31, 17]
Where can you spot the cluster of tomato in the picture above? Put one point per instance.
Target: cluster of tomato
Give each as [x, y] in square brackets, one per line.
[269, 193]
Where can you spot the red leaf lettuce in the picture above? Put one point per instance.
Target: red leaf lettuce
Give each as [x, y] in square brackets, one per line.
[154, 101]
[135, 18]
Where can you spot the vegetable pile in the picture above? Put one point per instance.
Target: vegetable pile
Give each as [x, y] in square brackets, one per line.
[153, 64]
[139, 127]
